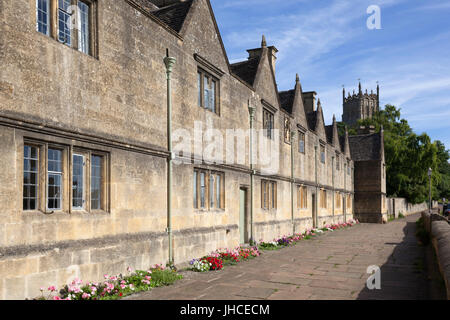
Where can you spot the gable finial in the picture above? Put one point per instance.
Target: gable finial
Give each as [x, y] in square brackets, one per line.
[297, 78]
[263, 42]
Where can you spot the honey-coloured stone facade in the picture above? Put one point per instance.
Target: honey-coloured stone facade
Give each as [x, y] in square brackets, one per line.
[114, 102]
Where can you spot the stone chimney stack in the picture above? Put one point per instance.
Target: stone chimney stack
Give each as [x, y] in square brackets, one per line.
[366, 130]
[272, 52]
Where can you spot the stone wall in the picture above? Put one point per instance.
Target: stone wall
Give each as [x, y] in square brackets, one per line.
[440, 238]
[401, 205]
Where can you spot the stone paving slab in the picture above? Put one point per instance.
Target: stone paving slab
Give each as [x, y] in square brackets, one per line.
[331, 266]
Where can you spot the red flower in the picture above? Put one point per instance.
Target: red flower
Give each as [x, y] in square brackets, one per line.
[120, 294]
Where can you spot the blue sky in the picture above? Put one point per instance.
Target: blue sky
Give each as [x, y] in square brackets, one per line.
[329, 45]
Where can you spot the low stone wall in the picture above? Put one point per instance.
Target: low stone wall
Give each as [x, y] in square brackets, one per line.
[400, 205]
[37, 266]
[440, 238]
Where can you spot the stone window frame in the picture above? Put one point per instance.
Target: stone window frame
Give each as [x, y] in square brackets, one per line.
[338, 200]
[53, 26]
[323, 199]
[206, 68]
[322, 153]
[201, 90]
[67, 153]
[197, 192]
[268, 123]
[302, 197]
[301, 138]
[269, 195]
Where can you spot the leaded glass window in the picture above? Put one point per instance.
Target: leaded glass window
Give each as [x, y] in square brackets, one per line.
[83, 27]
[30, 177]
[64, 21]
[54, 179]
[77, 181]
[43, 16]
[96, 182]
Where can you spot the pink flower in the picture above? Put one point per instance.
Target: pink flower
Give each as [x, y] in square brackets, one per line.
[85, 296]
[52, 288]
[129, 269]
[56, 298]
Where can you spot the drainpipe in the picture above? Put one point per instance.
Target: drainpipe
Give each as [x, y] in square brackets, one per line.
[332, 179]
[251, 110]
[316, 214]
[292, 181]
[169, 62]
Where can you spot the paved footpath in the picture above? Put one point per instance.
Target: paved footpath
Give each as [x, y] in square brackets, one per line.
[332, 266]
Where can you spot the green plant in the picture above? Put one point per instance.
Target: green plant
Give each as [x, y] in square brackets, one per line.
[421, 232]
[401, 216]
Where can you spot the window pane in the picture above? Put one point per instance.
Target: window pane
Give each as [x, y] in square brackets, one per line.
[195, 190]
[54, 179]
[273, 195]
[83, 27]
[199, 84]
[54, 191]
[96, 180]
[77, 181]
[218, 192]
[211, 190]
[213, 96]
[30, 178]
[202, 190]
[64, 16]
[207, 93]
[42, 16]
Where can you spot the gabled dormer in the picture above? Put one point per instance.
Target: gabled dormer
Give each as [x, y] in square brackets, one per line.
[292, 102]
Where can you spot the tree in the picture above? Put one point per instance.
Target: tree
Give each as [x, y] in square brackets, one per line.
[408, 157]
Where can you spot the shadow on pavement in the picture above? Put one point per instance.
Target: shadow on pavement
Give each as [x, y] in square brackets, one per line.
[410, 273]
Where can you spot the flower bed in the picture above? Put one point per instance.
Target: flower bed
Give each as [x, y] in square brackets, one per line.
[223, 257]
[286, 241]
[114, 287]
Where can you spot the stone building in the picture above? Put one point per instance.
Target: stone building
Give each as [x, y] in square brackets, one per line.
[367, 152]
[360, 106]
[84, 140]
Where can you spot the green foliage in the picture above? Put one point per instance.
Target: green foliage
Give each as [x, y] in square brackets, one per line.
[408, 157]
[421, 232]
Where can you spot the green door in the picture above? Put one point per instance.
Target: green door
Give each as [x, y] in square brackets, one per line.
[242, 215]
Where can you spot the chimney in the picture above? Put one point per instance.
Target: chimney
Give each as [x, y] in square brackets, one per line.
[272, 52]
[309, 101]
[366, 130]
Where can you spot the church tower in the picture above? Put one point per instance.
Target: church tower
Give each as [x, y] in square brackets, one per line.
[360, 105]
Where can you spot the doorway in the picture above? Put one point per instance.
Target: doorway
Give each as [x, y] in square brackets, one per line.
[243, 221]
[345, 208]
[314, 211]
